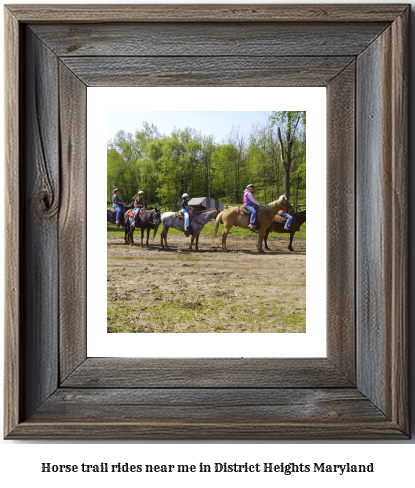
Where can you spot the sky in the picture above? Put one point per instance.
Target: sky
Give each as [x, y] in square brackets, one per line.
[218, 124]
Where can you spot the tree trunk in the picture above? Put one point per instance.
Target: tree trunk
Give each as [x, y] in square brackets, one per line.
[286, 161]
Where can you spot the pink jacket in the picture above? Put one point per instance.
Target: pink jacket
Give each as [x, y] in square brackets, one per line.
[249, 199]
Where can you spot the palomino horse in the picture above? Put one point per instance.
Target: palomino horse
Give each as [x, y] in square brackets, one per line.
[232, 216]
[199, 220]
[150, 219]
[278, 226]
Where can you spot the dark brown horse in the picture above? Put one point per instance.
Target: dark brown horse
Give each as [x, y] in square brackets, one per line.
[112, 214]
[150, 219]
[278, 226]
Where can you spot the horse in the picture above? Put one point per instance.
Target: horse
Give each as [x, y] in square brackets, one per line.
[232, 216]
[278, 226]
[150, 219]
[199, 220]
[111, 214]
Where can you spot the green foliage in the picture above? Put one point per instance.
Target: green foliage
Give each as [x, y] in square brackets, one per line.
[166, 166]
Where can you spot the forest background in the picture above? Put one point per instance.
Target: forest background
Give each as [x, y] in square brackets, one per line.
[272, 157]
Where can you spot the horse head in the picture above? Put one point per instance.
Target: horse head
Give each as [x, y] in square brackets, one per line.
[157, 216]
[285, 204]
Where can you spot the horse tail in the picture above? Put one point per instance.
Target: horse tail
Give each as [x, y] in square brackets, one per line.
[155, 230]
[218, 221]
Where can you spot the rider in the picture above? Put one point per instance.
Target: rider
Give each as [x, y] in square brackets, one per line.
[139, 204]
[117, 203]
[286, 216]
[249, 200]
[185, 211]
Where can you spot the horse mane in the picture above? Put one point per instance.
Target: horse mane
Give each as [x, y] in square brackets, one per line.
[203, 211]
[271, 206]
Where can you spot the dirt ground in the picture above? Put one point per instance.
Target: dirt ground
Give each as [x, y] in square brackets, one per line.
[151, 290]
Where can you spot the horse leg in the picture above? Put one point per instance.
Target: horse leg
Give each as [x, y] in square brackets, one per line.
[162, 238]
[142, 236]
[224, 236]
[260, 239]
[197, 241]
[132, 228]
[126, 234]
[148, 234]
[166, 230]
[290, 246]
[191, 241]
[266, 241]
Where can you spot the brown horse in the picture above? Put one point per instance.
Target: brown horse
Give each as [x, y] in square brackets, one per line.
[278, 226]
[232, 216]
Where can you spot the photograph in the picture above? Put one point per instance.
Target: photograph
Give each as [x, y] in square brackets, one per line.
[62, 160]
[206, 222]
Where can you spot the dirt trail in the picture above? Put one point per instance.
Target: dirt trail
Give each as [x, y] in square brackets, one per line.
[151, 290]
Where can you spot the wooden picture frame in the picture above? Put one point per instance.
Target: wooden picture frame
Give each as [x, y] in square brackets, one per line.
[360, 53]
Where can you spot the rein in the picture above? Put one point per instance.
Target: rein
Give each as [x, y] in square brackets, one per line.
[149, 221]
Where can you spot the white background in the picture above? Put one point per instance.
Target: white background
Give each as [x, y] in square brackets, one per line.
[103, 100]
[393, 461]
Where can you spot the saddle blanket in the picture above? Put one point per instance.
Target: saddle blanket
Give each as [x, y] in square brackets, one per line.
[243, 210]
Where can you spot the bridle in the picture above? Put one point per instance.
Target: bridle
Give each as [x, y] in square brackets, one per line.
[151, 222]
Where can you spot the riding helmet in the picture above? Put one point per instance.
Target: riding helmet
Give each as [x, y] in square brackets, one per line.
[185, 195]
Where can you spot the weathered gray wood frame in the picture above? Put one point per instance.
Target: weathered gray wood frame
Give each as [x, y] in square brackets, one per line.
[359, 52]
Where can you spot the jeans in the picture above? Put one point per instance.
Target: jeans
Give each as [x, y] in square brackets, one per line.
[119, 209]
[186, 218]
[287, 216]
[253, 214]
[137, 213]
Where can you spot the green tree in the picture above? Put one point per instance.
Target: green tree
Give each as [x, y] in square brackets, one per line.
[289, 125]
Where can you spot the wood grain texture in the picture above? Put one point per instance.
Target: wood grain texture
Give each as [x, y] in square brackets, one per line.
[13, 383]
[382, 228]
[180, 39]
[341, 238]
[40, 206]
[207, 71]
[206, 373]
[209, 405]
[188, 430]
[206, 13]
[399, 205]
[72, 222]
[207, 399]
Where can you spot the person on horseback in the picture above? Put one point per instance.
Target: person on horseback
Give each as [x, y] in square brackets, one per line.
[118, 204]
[185, 212]
[249, 201]
[286, 216]
[139, 205]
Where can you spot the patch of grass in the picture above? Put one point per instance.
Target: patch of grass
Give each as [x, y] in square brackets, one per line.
[113, 231]
[186, 314]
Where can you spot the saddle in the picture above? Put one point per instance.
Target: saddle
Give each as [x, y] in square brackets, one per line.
[131, 213]
[280, 218]
[244, 211]
[179, 215]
